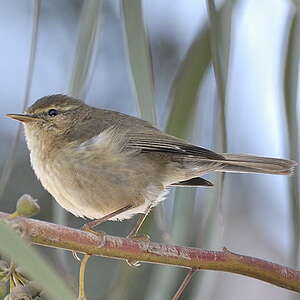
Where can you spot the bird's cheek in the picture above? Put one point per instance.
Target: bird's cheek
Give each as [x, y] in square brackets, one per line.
[50, 127]
[63, 123]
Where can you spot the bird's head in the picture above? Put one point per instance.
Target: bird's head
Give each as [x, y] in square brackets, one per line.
[51, 119]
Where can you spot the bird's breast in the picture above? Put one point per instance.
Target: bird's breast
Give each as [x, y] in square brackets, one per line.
[93, 187]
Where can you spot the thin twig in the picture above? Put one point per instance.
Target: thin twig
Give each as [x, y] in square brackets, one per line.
[58, 236]
[81, 293]
[184, 284]
[9, 163]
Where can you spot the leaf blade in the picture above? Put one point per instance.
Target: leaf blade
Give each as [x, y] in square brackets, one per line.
[13, 246]
[139, 58]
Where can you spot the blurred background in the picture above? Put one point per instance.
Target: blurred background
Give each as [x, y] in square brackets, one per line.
[220, 74]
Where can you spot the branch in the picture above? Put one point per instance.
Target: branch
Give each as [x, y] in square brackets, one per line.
[53, 235]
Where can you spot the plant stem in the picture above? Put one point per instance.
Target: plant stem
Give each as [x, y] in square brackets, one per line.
[53, 235]
[184, 284]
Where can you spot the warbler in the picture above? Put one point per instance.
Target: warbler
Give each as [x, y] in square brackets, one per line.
[96, 162]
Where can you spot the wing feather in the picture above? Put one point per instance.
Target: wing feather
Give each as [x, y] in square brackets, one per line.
[160, 143]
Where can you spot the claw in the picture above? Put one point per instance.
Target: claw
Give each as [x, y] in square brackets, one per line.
[141, 238]
[100, 234]
[75, 255]
[133, 263]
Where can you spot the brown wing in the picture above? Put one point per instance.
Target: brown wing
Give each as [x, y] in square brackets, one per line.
[165, 143]
[142, 136]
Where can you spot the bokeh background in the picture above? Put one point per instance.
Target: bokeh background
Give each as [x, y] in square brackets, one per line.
[220, 74]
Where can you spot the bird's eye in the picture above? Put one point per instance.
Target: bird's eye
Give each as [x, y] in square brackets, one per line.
[52, 112]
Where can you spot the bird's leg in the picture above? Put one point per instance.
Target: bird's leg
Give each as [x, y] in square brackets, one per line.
[133, 234]
[89, 227]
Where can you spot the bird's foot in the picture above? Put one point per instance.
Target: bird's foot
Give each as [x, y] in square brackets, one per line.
[100, 234]
[140, 238]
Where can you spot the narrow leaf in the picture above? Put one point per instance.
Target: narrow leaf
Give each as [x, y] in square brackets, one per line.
[139, 58]
[9, 163]
[14, 247]
[291, 82]
[184, 90]
[88, 24]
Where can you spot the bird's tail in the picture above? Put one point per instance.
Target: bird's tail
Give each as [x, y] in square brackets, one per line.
[243, 163]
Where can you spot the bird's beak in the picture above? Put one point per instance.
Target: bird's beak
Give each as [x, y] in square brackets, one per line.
[22, 117]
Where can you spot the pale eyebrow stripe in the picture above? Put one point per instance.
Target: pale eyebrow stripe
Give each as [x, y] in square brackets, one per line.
[59, 108]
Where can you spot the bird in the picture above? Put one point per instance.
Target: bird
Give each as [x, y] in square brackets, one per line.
[99, 163]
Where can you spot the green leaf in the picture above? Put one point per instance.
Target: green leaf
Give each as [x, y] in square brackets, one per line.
[9, 162]
[139, 58]
[220, 33]
[291, 82]
[13, 246]
[88, 25]
[184, 90]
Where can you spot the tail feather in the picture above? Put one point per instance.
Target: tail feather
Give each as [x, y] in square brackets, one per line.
[243, 163]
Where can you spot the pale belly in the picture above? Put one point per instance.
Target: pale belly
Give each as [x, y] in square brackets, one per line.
[93, 192]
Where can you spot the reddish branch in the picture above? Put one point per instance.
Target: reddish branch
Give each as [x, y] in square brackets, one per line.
[52, 235]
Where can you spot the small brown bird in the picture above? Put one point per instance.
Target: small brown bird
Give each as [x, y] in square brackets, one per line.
[97, 162]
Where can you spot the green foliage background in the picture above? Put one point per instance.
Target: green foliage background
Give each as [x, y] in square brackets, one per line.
[190, 216]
